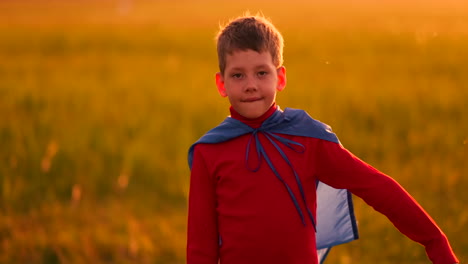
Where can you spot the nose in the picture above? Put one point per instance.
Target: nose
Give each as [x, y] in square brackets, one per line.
[250, 84]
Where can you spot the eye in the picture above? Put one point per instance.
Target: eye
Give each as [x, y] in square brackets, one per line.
[262, 73]
[236, 75]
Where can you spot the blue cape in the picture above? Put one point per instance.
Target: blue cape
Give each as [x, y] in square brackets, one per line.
[336, 223]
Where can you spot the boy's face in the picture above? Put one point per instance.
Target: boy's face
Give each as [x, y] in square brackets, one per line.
[250, 81]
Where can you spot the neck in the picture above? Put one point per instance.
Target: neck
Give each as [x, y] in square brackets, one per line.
[253, 122]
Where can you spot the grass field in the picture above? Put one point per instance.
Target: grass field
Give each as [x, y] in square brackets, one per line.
[100, 100]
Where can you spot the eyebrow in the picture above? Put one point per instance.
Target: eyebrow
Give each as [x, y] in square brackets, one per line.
[256, 67]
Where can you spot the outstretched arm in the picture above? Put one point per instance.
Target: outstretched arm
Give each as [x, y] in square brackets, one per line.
[339, 168]
[202, 229]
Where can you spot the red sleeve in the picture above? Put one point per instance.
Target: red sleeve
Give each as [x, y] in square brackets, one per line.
[202, 229]
[339, 168]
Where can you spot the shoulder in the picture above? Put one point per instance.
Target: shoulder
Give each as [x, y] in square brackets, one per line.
[300, 123]
[211, 153]
[198, 152]
[229, 129]
[302, 116]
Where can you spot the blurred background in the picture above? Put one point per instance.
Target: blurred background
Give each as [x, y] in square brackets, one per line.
[100, 100]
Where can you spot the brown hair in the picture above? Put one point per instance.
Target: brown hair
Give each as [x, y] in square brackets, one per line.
[249, 32]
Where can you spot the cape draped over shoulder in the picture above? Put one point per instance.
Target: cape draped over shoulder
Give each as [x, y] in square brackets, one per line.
[336, 223]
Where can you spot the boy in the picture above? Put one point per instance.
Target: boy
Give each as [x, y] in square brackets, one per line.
[255, 177]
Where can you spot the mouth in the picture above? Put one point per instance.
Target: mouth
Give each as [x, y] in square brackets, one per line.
[251, 99]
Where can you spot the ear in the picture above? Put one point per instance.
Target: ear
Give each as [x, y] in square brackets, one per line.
[220, 84]
[281, 73]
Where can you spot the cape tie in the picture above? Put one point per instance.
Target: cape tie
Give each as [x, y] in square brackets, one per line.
[261, 154]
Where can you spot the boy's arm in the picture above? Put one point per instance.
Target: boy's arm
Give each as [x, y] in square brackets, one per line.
[202, 229]
[339, 168]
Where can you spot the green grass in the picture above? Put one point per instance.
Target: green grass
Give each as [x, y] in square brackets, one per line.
[100, 102]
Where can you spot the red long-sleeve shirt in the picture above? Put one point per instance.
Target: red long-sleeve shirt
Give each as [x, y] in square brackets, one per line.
[238, 216]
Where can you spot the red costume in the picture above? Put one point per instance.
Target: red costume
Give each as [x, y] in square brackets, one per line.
[240, 216]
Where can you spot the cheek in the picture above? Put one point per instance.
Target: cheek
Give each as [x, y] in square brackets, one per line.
[233, 89]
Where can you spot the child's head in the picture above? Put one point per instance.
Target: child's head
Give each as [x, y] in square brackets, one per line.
[250, 60]
[249, 32]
